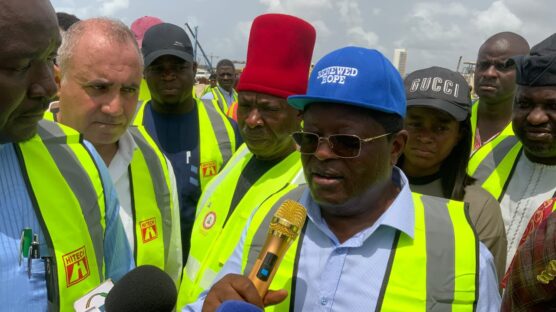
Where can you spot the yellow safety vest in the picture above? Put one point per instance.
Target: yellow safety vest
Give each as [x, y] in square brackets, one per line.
[223, 104]
[493, 163]
[214, 238]
[151, 204]
[216, 138]
[507, 131]
[67, 193]
[437, 268]
[144, 92]
[206, 90]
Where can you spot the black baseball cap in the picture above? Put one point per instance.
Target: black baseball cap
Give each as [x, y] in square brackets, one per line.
[166, 39]
[439, 88]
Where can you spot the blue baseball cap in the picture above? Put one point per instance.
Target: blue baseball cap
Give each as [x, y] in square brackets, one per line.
[355, 76]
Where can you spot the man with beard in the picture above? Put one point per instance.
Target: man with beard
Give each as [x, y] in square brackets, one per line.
[491, 114]
[60, 231]
[278, 59]
[527, 181]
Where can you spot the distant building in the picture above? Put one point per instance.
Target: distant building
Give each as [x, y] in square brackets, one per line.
[400, 60]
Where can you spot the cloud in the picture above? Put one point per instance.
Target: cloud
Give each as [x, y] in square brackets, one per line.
[429, 10]
[321, 28]
[110, 7]
[295, 7]
[431, 25]
[363, 38]
[496, 18]
[350, 13]
[244, 28]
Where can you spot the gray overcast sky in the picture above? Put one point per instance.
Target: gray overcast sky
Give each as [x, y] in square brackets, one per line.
[433, 32]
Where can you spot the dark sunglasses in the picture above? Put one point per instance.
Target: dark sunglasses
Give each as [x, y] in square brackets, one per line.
[505, 66]
[343, 145]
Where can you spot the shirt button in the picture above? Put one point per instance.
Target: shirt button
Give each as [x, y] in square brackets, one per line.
[323, 301]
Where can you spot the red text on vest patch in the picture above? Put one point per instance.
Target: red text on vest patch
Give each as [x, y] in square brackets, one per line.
[208, 169]
[77, 266]
[149, 231]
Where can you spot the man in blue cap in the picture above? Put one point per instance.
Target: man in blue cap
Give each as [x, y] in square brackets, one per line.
[369, 244]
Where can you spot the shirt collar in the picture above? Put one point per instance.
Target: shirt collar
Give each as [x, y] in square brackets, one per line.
[400, 215]
[225, 92]
[126, 146]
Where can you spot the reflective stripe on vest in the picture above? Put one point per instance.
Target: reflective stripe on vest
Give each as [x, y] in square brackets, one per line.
[217, 141]
[151, 201]
[144, 92]
[214, 238]
[474, 112]
[232, 111]
[68, 196]
[507, 131]
[437, 270]
[493, 164]
[219, 96]
[255, 239]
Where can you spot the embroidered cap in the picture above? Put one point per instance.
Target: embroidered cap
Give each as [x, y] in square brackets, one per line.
[355, 76]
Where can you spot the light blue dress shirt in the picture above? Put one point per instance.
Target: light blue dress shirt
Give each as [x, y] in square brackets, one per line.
[228, 96]
[334, 276]
[18, 292]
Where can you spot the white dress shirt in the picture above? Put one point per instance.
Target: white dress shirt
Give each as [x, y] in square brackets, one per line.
[118, 169]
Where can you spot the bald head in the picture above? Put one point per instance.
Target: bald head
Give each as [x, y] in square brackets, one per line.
[494, 75]
[111, 32]
[508, 42]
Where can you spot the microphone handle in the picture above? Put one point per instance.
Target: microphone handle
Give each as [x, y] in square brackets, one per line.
[267, 262]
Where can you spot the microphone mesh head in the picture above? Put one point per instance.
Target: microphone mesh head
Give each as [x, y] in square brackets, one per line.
[289, 218]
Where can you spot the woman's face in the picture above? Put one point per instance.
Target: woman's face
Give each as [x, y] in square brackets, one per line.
[432, 136]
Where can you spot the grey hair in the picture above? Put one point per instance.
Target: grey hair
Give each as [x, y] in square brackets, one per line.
[114, 30]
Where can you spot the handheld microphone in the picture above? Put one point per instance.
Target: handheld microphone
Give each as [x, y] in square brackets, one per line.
[238, 306]
[283, 230]
[145, 288]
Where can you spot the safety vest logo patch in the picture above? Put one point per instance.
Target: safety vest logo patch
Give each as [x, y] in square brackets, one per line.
[77, 266]
[209, 220]
[149, 231]
[208, 169]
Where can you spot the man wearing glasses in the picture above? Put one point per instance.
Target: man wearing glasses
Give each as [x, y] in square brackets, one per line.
[494, 83]
[491, 115]
[368, 244]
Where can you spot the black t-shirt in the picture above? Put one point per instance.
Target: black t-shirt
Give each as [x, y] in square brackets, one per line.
[252, 172]
[178, 137]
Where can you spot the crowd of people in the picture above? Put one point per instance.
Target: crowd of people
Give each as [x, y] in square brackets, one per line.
[418, 198]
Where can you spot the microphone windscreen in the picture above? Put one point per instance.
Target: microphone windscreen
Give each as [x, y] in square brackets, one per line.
[289, 219]
[145, 288]
[237, 306]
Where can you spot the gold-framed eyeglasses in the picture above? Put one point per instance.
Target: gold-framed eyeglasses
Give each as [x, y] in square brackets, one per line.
[343, 145]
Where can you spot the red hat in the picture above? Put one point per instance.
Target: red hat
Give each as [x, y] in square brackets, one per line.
[140, 26]
[278, 55]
